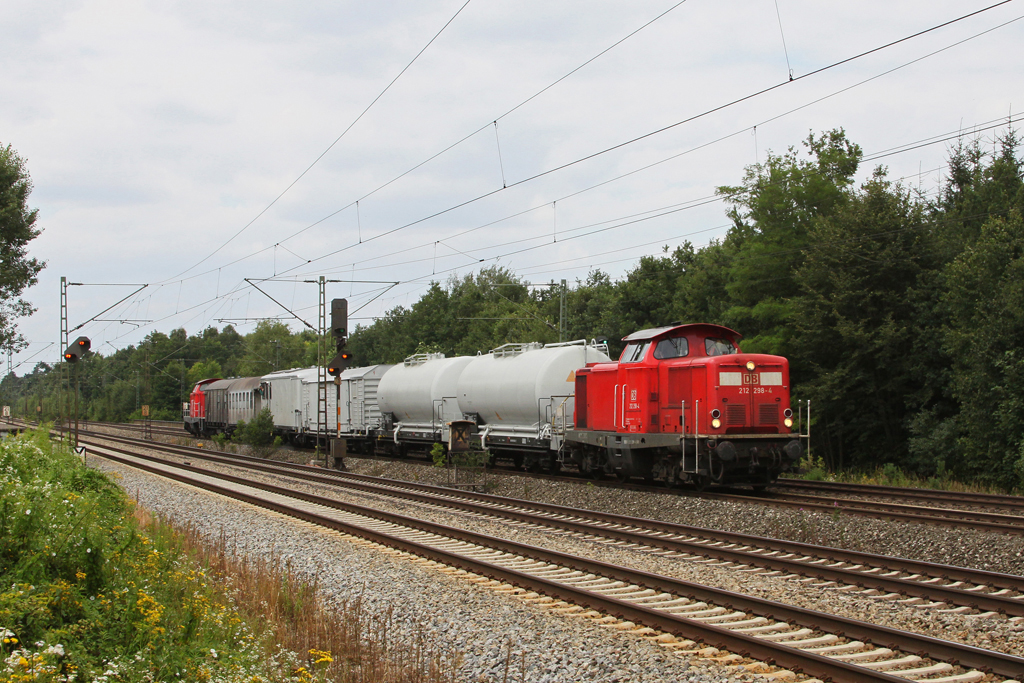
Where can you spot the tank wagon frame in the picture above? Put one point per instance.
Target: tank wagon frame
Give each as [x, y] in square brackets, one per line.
[682, 404]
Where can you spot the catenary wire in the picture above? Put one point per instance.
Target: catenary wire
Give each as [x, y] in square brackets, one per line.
[435, 155]
[329, 147]
[663, 129]
[958, 42]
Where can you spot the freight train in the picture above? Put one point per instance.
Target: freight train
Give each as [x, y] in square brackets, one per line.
[682, 405]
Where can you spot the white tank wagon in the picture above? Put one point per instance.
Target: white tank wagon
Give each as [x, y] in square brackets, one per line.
[419, 397]
[521, 397]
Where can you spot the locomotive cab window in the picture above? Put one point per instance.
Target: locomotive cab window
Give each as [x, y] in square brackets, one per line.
[634, 352]
[672, 348]
[719, 347]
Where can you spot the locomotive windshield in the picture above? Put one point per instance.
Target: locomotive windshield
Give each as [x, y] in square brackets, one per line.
[718, 347]
[634, 352]
[672, 348]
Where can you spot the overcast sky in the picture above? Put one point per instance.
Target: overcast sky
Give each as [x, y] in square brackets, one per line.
[157, 132]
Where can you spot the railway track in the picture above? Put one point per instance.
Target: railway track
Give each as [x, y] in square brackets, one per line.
[922, 584]
[1010, 520]
[993, 501]
[687, 618]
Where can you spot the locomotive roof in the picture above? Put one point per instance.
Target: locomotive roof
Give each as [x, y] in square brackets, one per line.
[661, 331]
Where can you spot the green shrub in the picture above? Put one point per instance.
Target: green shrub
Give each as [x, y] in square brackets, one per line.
[85, 594]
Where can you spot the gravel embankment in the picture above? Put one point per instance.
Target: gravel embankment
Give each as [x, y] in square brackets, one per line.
[992, 633]
[925, 542]
[473, 621]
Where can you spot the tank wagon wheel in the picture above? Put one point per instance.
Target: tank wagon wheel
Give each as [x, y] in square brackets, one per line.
[761, 487]
[701, 482]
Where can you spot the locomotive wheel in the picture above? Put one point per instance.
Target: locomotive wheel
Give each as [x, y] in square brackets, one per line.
[717, 477]
[701, 481]
[589, 466]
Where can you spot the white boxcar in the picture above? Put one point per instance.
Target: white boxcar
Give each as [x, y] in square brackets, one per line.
[421, 394]
[308, 403]
[357, 411]
[283, 393]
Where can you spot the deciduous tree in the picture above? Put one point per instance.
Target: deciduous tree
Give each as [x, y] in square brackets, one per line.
[17, 229]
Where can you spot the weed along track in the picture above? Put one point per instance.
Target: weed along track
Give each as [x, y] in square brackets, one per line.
[683, 617]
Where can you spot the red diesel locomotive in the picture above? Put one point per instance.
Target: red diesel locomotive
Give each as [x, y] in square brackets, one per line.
[685, 405]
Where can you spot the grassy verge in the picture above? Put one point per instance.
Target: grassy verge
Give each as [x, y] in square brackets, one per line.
[814, 469]
[94, 589]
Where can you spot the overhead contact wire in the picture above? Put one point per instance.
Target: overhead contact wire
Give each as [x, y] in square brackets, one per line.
[663, 129]
[331, 146]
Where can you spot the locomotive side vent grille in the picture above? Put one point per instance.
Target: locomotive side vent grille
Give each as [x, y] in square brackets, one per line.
[768, 414]
[735, 414]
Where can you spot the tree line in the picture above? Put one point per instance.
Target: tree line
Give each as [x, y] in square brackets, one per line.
[901, 311]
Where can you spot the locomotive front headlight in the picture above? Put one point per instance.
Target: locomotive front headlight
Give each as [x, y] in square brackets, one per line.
[750, 365]
[716, 413]
[716, 423]
[788, 412]
[788, 422]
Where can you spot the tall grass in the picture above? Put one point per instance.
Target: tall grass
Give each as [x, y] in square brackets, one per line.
[339, 642]
[92, 588]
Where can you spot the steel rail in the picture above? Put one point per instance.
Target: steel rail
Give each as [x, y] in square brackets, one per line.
[498, 506]
[805, 662]
[1012, 524]
[1009, 523]
[992, 499]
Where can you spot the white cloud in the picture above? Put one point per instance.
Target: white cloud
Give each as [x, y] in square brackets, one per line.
[155, 131]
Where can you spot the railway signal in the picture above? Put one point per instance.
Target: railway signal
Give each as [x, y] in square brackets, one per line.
[77, 349]
[339, 330]
[340, 362]
[339, 321]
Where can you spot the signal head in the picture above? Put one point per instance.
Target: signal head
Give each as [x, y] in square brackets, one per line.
[77, 349]
[339, 363]
[339, 320]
